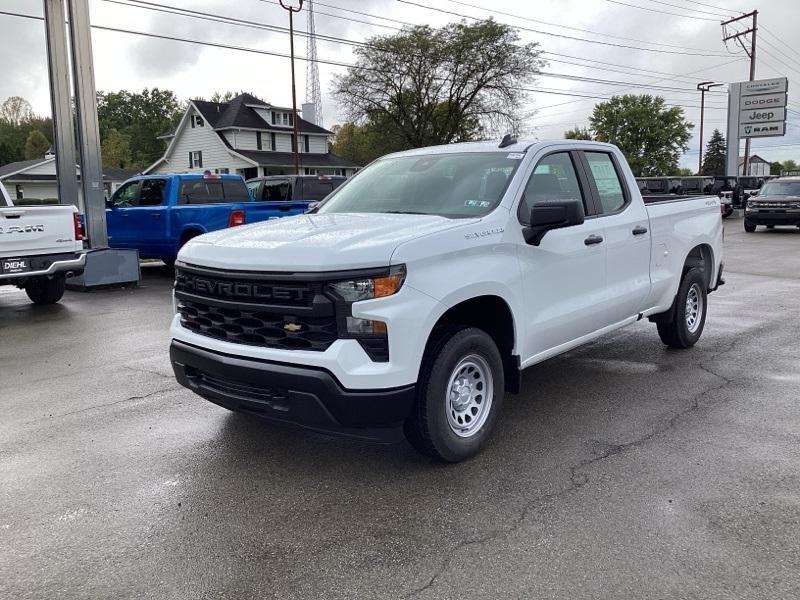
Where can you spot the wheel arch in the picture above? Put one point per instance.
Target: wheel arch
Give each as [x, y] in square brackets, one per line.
[492, 314]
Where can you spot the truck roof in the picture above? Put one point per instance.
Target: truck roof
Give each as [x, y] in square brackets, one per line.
[521, 145]
[187, 175]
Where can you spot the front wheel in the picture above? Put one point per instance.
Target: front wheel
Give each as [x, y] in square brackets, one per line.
[459, 396]
[42, 290]
[749, 227]
[689, 317]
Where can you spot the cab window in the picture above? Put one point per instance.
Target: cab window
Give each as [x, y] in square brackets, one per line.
[127, 195]
[152, 192]
[554, 179]
[277, 191]
[606, 179]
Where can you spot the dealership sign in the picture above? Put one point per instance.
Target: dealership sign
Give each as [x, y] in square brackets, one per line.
[761, 107]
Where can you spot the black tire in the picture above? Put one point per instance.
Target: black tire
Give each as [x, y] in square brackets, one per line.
[749, 227]
[428, 428]
[43, 291]
[678, 333]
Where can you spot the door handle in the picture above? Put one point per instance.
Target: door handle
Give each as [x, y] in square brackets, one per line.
[639, 230]
[593, 239]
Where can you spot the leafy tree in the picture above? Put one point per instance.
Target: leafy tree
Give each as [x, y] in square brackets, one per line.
[364, 143]
[226, 96]
[788, 165]
[651, 135]
[142, 117]
[116, 149]
[36, 145]
[682, 172]
[578, 133]
[714, 157]
[435, 86]
[16, 110]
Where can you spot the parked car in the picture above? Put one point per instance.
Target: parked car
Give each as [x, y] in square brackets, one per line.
[697, 185]
[157, 214]
[729, 191]
[750, 187]
[413, 296]
[777, 203]
[659, 185]
[293, 194]
[39, 247]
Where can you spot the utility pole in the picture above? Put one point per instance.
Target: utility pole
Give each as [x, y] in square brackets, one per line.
[293, 9]
[750, 53]
[703, 87]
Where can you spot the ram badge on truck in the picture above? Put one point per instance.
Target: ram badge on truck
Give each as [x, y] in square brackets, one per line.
[412, 297]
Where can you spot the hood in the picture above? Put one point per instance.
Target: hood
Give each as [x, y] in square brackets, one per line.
[327, 242]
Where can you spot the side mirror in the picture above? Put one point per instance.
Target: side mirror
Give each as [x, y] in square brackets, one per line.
[552, 215]
[109, 203]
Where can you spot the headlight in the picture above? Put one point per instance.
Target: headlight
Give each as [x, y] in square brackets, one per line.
[367, 288]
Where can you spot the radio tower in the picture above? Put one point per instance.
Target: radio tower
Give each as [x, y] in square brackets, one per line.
[313, 92]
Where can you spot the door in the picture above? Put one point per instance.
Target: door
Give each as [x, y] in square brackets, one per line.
[627, 238]
[140, 217]
[564, 277]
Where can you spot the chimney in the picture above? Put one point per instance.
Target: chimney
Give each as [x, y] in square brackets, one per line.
[310, 113]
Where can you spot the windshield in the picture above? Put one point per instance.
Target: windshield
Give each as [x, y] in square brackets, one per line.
[781, 188]
[448, 185]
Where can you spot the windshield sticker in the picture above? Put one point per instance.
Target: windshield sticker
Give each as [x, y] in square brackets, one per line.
[516, 155]
[477, 203]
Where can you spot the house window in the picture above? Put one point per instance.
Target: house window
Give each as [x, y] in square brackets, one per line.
[339, 172]
[306, 145]
[224, 171]
[310, 171]
[20, 191]
[196, 159]
[285, 118]
[258, 140]
[272, 144]
[293, 144]
[274, 118]
[197, 121]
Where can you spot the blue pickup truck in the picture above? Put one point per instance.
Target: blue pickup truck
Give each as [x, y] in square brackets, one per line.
[157, 214]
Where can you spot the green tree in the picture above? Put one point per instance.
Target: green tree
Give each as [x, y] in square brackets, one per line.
[578, 133]
[651, 135]
[36, 145]
[435, 86]
[714, 155]
[226, 96]
[142, 117]
[116, 149]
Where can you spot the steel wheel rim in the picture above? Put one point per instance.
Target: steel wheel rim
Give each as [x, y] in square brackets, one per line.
[694, 308]
[469, 395]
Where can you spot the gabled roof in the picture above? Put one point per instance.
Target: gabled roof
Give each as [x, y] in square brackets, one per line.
[266, 158]
[240, 112]
[21, 165]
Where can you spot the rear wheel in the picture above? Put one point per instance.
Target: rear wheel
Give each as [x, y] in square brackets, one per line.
[459, 396]
[749, 227]
[42, 290]
[689, 317]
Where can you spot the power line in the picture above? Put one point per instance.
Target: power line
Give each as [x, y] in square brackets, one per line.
[663, 12]
[564, 36]
[697, 10]
[532, 20]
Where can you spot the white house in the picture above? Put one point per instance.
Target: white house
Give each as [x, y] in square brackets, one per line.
[756, 166]
[250, 137]
[36, 179]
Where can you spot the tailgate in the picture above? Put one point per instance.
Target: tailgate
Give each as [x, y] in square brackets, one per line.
[30, 230]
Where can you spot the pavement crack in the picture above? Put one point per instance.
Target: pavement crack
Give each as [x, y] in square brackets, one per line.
[106, 405]
[148, 371]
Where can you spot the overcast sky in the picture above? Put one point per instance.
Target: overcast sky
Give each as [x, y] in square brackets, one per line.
[689, 44]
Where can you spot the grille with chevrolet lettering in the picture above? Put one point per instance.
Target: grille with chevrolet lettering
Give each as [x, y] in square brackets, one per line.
[256, 311]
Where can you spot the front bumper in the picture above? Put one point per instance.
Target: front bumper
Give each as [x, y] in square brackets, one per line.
[307, 397]
[50, 264]
[772, 216]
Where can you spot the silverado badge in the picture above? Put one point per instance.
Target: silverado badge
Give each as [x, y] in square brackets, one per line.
[292, 327]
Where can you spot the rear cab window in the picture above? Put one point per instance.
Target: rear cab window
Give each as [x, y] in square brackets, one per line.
[603, 173]
[316, 188]
[212, 191]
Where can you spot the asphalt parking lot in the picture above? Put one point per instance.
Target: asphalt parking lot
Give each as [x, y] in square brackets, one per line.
[624, 470]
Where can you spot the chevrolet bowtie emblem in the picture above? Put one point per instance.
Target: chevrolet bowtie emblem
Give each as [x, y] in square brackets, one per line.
[292, 327]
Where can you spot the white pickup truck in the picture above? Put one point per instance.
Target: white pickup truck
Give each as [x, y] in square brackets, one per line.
[413, 296]
[39, 247]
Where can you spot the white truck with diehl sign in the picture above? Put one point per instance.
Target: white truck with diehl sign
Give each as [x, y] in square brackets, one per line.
[411, 299]
[40, 246]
